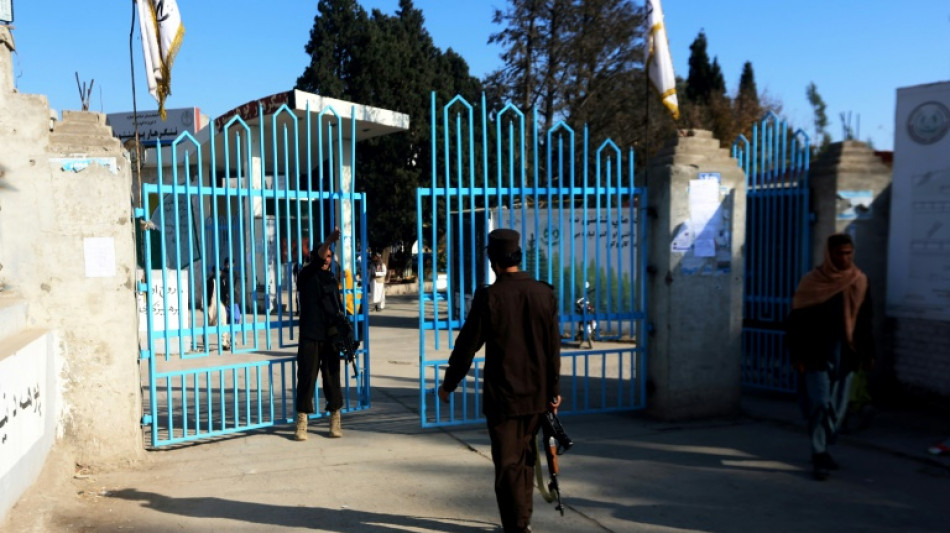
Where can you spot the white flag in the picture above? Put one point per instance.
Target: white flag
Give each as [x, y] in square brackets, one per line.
[162, 32]
[659, 62]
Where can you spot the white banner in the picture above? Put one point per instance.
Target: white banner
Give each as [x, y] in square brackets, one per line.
[658, 61]
[566, 238]
[162, 32]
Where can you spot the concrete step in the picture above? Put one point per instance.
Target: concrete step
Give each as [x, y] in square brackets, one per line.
[79, 128]
[12, 314]
[85, 117]
[84, 142]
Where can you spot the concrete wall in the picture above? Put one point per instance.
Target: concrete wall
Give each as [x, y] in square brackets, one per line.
[67, 257]
[921, 351]
[851, 193]
[695, 303]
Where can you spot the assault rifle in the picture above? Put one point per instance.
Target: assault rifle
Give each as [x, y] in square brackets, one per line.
[344, 341]
[556, 442]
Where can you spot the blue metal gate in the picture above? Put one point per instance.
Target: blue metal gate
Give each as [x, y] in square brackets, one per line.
[583, 231]
[778, 246]
[248, 198]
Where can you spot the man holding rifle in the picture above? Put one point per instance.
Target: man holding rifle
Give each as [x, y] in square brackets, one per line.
[517, 317]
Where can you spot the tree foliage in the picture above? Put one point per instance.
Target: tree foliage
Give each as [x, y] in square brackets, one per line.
[822, 137]
[389, 62]
[709, 106]
[580, 62]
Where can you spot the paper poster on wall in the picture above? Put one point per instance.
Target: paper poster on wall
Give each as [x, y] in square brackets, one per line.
[704, 239]
[703, 215]
[99, 254]
[683, 240]
[854, 205]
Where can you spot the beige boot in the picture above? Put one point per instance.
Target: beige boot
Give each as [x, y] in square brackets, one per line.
[301, 432]
[336, 429]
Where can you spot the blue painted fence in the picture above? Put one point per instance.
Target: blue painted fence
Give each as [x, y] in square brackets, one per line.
[778, 246]
[257, 191]
[583, 230]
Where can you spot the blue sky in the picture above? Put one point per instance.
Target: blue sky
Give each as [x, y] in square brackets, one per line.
[857, 52]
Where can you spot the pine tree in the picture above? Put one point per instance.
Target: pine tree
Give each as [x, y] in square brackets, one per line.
[747, 107]
[698, 82]
[389, 62]
[747, 89]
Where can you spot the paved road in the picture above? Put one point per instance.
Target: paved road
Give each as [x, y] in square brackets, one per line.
[626, 473]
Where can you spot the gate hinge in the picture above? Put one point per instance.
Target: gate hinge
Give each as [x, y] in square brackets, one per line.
[143, 287]
[138, 212]
[145, 354]
[146, 420]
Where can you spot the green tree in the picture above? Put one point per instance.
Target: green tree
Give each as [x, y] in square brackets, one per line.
[748, 93]
[822, 138]
[747, 106]
[389, 62]
[709, 106]
[699, 82]
[580, 61]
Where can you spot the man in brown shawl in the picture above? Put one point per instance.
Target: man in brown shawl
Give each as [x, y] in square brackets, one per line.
[829, 336]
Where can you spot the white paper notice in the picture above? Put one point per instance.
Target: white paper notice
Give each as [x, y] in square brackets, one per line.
[100, 257]
[704, 248]
[703, 211]
[682, 241]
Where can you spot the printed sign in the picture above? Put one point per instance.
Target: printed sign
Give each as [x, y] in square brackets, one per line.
[167, 301]
[6, 10]
[151, 125]
[918, 269]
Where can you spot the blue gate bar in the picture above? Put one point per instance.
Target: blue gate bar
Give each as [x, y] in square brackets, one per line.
[209, 212]
[777, 249]
[459, 209]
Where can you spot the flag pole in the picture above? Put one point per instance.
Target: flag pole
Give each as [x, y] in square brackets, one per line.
[136, 179]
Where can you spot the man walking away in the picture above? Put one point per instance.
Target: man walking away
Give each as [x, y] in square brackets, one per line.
[517, 319]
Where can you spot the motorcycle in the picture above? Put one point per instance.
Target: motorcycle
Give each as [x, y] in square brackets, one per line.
[587, 326]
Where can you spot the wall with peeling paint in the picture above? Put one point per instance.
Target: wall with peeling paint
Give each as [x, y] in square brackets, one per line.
[68, 345]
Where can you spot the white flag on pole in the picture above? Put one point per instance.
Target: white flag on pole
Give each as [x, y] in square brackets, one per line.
[659, 62]
[162, 32]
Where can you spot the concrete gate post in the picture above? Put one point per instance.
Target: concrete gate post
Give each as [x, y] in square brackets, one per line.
[851, 193]
[697, 234]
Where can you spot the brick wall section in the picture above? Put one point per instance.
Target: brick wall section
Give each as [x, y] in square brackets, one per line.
[922, 355]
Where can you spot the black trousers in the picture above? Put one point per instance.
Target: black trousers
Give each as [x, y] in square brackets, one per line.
[514, 458]
[315, 357]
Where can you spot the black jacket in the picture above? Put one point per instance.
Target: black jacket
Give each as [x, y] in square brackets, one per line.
[517, 319]
[813, 333]
[319, 302]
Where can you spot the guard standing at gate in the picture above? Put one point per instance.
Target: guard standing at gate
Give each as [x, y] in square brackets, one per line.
[319, 306]
[517, 318]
